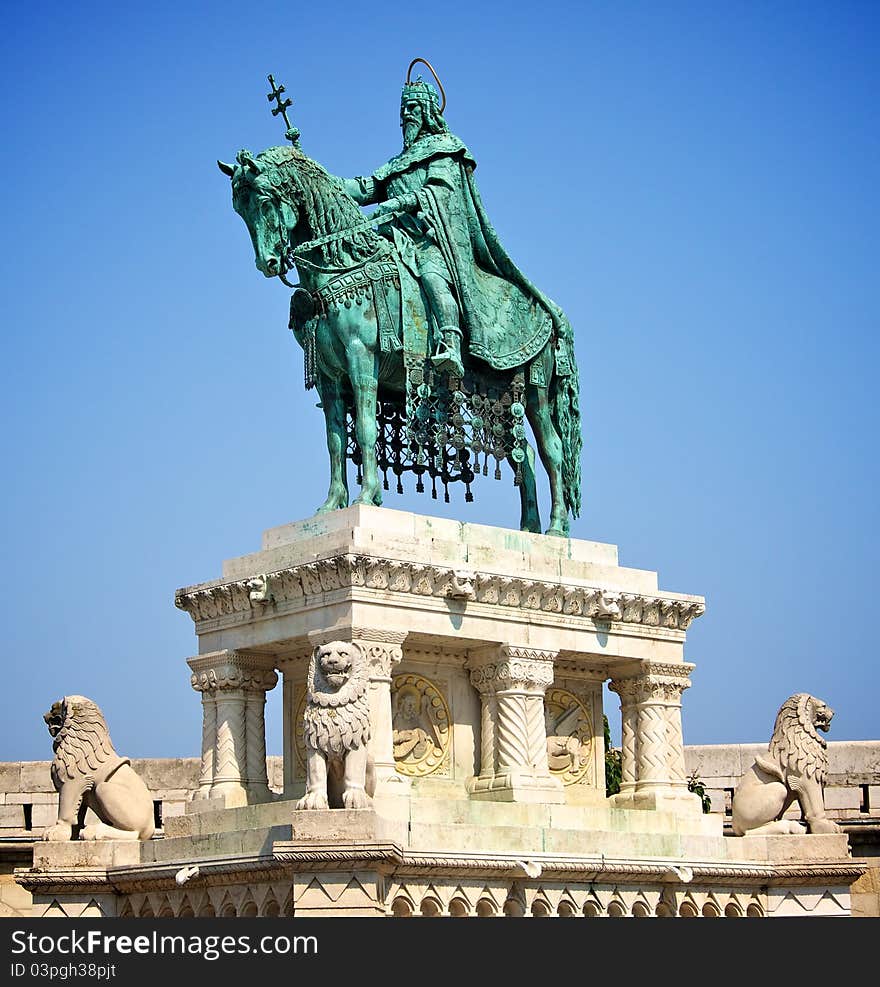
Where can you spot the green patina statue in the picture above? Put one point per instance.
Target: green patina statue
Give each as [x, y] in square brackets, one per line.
[428, 346]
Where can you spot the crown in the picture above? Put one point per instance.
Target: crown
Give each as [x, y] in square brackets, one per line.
[421, 91]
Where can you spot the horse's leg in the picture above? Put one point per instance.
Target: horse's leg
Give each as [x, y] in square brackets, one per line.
[530, 515]
[365, 385]
[337, 438]
[549, 446]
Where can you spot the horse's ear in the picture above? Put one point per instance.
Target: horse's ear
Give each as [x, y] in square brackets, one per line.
[227, 169]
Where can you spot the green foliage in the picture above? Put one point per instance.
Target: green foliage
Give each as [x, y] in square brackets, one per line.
[697, 786]
[612, 762]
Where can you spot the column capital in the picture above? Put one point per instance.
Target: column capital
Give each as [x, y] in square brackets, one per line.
[654, 682]
[224, 670]
[510, 666]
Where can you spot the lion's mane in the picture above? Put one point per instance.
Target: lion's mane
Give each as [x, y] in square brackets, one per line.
[337, 720]
[82, 746]
[796, 745]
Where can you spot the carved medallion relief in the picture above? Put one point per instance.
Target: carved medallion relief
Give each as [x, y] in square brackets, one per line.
[421, 727]
[569, 737]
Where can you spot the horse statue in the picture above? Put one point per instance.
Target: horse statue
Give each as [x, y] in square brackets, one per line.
[364, 321]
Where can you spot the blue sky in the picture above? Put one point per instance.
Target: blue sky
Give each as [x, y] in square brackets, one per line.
[694, 183]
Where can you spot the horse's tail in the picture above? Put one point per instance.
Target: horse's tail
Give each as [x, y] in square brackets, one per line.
[567, 419]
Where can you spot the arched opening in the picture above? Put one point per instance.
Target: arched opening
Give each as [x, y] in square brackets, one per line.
[754, 911]
[430, 908]
[711, 910]
[486, 908]
[566, 910]
[271, 908]
[732, 910]
[687, 909]
[513, 908]
[592, 909]
[616, 910]
[401, 908]
[664, 910]
[249, 909]
[458, 908]
[641, 910]
[540, 909]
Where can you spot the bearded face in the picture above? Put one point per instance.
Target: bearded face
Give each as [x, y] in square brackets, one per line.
[412, 119]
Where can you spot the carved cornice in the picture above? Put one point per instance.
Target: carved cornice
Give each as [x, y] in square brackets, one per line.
[223, 670]
[393, 861]
[257, 593]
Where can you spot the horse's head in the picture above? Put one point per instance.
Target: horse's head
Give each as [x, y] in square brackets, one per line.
[264, 196]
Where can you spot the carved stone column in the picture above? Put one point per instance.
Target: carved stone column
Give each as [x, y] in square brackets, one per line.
[233, 687]
[209, 733]
[383, 650]
[513, 764]
[652, 747]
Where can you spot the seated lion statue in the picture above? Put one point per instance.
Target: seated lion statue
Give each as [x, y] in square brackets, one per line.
[339, 769]
[794, 768]
[88, 774]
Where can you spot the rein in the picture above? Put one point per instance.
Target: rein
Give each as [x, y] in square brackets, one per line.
[320, 241]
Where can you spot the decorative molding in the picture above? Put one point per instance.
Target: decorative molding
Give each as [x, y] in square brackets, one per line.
[256, 594]
[394, 861]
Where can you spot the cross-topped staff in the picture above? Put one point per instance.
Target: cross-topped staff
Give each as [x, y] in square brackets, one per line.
[282, 105]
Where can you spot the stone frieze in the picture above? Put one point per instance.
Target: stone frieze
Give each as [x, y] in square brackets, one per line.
[257, 593]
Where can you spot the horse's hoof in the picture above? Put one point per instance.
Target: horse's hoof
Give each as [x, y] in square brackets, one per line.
[331, 505]
[365, 500]
[334, 502]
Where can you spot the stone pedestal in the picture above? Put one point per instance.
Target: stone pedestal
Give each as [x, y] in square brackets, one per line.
[466, 628]
[486, 652]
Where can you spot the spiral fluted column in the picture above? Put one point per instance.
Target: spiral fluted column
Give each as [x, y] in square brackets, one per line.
[513, 763]
[652, 747]
[233, 687]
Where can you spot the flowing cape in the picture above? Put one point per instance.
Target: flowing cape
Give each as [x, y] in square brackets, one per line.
[508, 320]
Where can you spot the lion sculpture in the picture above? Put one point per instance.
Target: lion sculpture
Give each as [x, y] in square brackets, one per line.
[339, 769]
[88, 774]
[795, 767]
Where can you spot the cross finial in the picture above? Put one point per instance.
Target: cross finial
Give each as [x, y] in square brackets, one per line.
[282, 105]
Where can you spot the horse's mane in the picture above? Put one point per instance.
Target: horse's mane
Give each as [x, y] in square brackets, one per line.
[325, 203]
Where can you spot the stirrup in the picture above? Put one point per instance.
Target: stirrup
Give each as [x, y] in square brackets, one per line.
[444, 350]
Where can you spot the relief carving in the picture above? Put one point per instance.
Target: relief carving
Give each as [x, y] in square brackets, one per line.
[421, 726]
